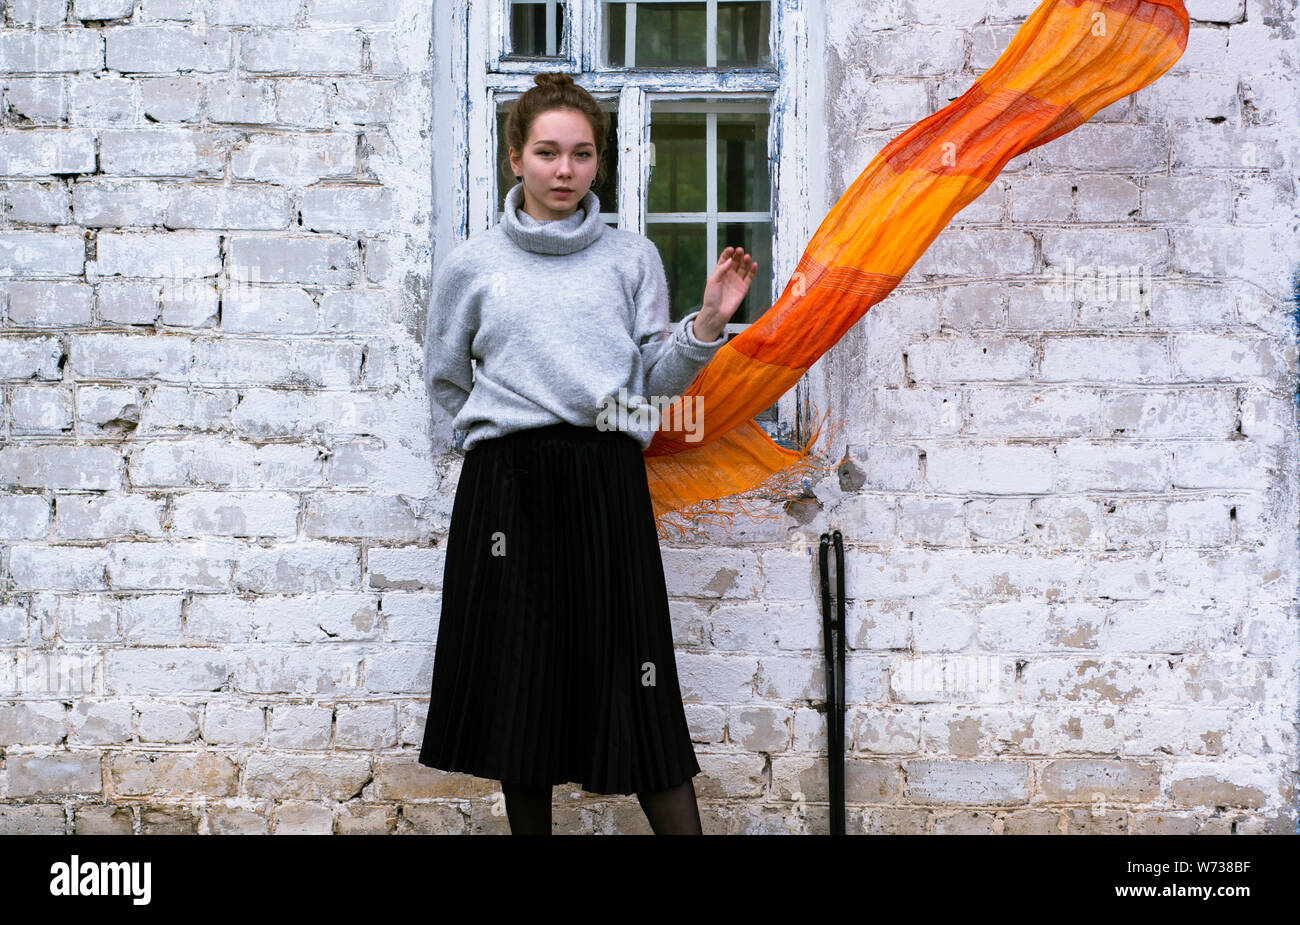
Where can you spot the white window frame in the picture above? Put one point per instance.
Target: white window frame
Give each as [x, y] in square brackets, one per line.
[485, 74]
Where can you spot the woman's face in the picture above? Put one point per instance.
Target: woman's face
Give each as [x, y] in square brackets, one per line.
[560, 154]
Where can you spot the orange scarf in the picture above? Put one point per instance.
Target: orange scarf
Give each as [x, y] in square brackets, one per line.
[1069, 60]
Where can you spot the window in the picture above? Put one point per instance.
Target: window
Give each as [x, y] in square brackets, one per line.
[704, 149]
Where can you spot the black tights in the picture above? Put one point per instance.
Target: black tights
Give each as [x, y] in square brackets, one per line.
[670, 812]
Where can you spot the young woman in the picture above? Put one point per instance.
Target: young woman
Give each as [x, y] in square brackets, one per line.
[554, 660]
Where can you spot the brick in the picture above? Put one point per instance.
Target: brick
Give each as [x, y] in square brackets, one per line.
[319, 365]
[110, 409]
[349, 209]
[752, 625]
[1108, 247]
[171, 671]
[168, 256]
[305, 103]
[345, 516]
[301, 567]
[204, 565]
[365, 726]
[1063, 412]
[101, 9]
[314, 260]
[977, 253]
[245, 101]
[137, 773]
[51, 50]
[1107, 199]
[995, 468]
[119, 203]
[1188, 199]
[56, 773]
[37, 12]
[1161, 414]
[294, 159]
[101, 100]
[41, 410]
[967, 782]
[345, 13]
[1047, 198]
[168, 723]
[30, 357]
[353, 312]
[131, 356]
[34, 253]
[167, 49]
[298, 52]
[913, 52]
[102, 517]
[235, 820]
[162, 152]
[1204, 145]
[239, 13]
[34, 203]
[1130, 359]
[31, 723]
[234, 724]
[263, 514]
[301, 726]
[170, 99]
[39, 152]
[1217, 11]
[38, 304]
[58, 466]
[228, 207]
[1088, 780]
[24, 517]
[1190, 97]
[1101, 146]
[182, 409]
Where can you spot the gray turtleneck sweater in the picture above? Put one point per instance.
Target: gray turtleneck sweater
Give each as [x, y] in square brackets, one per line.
[561, 317]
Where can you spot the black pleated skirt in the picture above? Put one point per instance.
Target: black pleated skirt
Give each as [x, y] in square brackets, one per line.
[554, 660]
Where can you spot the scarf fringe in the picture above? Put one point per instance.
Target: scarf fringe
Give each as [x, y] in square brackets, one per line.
[755, 503]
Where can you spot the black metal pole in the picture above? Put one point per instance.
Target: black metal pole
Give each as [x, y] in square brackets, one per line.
[840, 644]
[834, 720]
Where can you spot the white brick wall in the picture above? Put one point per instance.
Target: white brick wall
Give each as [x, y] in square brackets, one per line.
[1070, 526]
[1088, 505]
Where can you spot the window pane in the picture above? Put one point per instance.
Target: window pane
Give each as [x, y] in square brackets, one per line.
[682, 246]
[653, 33]
[679, 168]
[607, 191]
[679, 213]
[529, 35]
[743, 35]
[744, 183]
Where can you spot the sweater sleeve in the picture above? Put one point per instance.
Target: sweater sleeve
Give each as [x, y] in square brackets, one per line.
[671, 354]
[448, 334]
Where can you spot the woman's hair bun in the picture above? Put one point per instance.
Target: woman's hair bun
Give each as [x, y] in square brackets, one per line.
[554, 79]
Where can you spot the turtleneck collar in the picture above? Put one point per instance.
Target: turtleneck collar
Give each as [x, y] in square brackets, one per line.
[558, 236]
